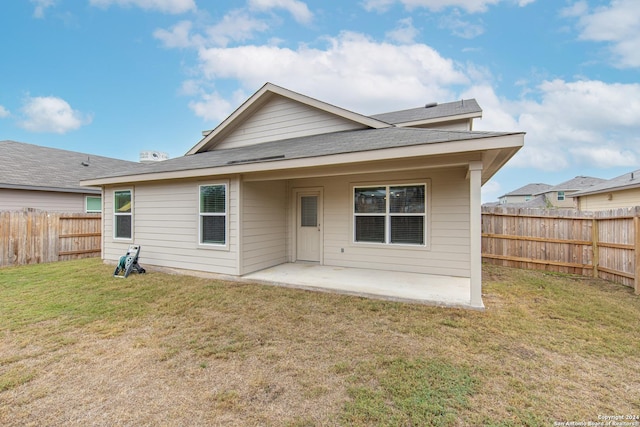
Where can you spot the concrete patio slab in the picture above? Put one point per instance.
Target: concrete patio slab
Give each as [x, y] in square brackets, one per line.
[390, 285]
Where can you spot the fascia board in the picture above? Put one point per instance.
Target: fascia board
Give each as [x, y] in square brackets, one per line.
[606, 190]
[509, 141]
[87, 190]
[440, 119]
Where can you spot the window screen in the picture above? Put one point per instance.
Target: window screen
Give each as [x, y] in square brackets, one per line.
[213, 214]
[390, 214]
[309, 211]
[123, 217]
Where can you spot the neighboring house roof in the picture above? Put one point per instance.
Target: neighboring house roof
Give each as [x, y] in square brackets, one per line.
[466, 108]
[574, 184]
[626, 181]
[32, 167]
[528, 190]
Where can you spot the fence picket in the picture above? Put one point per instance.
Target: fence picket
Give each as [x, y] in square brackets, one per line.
[31, 237]
[602, 244]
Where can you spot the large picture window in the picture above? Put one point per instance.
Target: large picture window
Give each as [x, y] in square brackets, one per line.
[122, 215]
[213, 214]
[390, 214]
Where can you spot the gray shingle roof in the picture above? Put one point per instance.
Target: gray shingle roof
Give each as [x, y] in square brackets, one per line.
[465, 106]
[575, 184]
[28, 166]
[529, 190]
[308, 146]
[622, 182]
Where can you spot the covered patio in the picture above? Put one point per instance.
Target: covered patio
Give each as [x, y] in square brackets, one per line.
[390, 285]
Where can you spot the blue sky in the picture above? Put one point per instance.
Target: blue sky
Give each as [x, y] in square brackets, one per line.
[116, 77]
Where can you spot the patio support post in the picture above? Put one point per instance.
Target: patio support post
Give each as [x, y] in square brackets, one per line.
[475, 229]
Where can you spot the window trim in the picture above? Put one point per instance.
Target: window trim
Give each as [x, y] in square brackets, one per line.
[86, 204]
[200, 214]
[116, 214]
[388, 215]
[560, 198]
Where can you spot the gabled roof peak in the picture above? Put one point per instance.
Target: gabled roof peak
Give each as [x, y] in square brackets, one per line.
[263, 95]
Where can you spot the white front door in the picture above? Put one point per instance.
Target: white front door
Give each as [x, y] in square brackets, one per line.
[308, 227]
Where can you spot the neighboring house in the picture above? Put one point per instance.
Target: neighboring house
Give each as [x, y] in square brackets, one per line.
[559, 196]
[523, 194]
[35, 177]
[620, 192]
[289, 178]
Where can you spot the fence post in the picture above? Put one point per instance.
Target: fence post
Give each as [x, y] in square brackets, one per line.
[594, 246]
[636, 230]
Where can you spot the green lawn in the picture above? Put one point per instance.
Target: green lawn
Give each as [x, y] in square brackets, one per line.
[80, 347]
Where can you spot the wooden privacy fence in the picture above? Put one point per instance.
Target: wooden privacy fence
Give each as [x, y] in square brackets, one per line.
[602, 244]
[33, 237]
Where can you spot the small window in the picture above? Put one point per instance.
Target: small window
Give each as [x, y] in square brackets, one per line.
[560, 196]
[213, 214]
[390, 214]
[93, 204]
[123, 215]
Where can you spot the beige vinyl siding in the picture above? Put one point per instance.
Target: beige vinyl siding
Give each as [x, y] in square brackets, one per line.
[51, 201]
[610, 200]
[165, 218]
[264, 226]
[448, 246]
[281, 119]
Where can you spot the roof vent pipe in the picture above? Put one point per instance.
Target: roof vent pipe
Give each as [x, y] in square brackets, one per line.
[431, 105]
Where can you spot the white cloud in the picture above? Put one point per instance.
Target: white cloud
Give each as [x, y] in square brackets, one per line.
[297, 9]
[4, 112]
[617, 24]
[609, 156]
[41, 6]
[471, 6]
[577, 9]
[586, 123]
[236, 26]
[211, 106]
[165, 6]
[350, 72]
[491, 191]
[460, 27]
[404, 33]
[51, 114]
[178, 36]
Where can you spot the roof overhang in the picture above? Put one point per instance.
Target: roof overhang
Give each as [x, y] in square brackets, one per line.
[606, 190]
[86, 190]
[417, 123]
[494, 153]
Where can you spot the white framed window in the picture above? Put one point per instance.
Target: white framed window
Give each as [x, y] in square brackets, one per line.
[213, 219]
[560, 196]
[390, 214]
[123, 214]
[93, 204]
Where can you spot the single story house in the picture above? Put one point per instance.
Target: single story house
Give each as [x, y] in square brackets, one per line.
[523, 194]
[43, 178]
[619, 192]
[559, 196]
[288, 178]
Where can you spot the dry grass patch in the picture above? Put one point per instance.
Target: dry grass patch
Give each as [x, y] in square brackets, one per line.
[78, 347]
